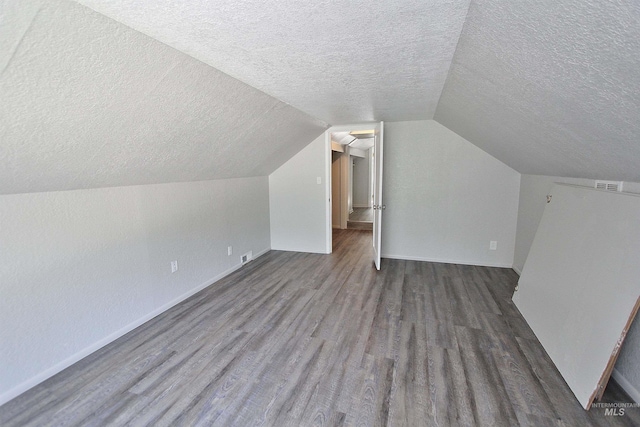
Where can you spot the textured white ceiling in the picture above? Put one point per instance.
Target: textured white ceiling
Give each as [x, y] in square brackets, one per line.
[88, 102]
[362, 144]
[550, 87]
[345, 138]
[341, 61]
[342, 138]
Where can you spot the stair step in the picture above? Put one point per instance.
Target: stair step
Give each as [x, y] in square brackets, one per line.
[360, 225]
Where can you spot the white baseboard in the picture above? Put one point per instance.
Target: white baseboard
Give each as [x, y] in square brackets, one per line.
[445, 261]
[301, 250]
[58, 367]
[626, 385]
[517, 270]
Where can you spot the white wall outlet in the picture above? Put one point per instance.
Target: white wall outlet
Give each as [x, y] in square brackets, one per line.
[174, 266]
[493, 245]
[229, 250]
[319, 180]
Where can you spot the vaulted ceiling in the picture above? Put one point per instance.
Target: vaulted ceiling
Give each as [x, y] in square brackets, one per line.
[169, 90]
[341, 61]
[550, 87]
[88, 102]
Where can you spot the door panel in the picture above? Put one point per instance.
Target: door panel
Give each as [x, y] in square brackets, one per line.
[378, 206]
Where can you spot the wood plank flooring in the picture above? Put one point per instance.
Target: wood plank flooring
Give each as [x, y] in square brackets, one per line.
[297, 339]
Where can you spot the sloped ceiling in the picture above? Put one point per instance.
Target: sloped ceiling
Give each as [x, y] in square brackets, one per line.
[550, 87]
[88, 102]
[341, 61]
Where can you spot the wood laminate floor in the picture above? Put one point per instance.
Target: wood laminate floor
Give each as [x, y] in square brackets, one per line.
[297, 339]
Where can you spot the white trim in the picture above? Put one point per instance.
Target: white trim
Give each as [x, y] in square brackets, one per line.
[299, 250]
[327, 193]
[352, 127]
[626, 385]
[58, 367]
[327, 138]
[344, 188]
[258, 255]
[517, 270]
[445, 261]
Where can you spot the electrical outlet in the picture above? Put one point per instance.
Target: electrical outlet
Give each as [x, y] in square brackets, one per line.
[493, 245]
[230, 250]
[174, 266]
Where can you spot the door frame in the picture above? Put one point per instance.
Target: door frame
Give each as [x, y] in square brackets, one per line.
[378, 204]
[328, 183]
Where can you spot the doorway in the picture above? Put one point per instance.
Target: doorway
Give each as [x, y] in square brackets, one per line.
[361, 213]
[355, 187]
[351, 180]
[338, 208]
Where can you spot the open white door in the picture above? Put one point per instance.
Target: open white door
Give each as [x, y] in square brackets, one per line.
[378, 205]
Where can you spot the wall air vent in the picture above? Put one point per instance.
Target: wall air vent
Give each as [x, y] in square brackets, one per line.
[246, 257]
[609, 185]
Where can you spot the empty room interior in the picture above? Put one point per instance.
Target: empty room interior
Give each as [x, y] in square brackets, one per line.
[278, 213]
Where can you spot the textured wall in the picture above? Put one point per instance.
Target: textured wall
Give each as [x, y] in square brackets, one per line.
[81, 267]
[446, 198]
[550, 87]
[297, 202]
[88, 102]
[533, 191]
[341, 61]
[533, 196]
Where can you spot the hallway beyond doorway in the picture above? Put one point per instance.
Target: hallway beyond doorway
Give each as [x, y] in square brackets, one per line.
[361, 219]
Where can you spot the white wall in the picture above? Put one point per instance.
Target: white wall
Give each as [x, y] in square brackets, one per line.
[445, 198]
[297, 202]
[80, 268]
[533, 191]
[533, 197]
[362, 181]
